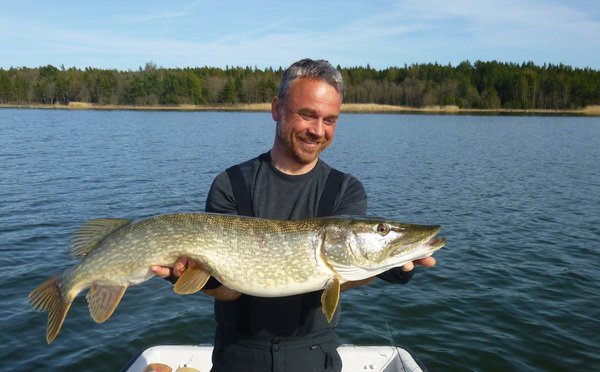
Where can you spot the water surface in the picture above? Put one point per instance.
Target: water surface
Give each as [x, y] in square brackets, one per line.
[516, 287]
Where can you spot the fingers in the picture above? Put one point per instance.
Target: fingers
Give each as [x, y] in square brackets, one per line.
[184, 263]
[180, 265]
[161, 271]
[408, 266]
[178, 268]
[425, 262]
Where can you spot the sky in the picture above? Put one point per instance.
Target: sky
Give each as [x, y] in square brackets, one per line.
[127, 34]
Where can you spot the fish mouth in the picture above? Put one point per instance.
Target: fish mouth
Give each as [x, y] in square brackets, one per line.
[436, 243]
[429, 246]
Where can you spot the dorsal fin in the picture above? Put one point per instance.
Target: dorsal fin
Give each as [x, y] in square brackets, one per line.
[93, 232]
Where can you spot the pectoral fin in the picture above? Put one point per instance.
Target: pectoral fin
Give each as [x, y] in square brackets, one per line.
[103, 300]
[330, 298]
[191, 281]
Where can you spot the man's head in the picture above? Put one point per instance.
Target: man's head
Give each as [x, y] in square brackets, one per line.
[306, 111]
[320, 70]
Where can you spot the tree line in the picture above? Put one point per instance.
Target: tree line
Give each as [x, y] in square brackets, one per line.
[479, 85]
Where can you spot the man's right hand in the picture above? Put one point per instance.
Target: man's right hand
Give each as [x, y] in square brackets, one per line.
[178, 268]
[222, 293]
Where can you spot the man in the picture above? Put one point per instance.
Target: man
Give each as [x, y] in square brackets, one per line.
[288, 182]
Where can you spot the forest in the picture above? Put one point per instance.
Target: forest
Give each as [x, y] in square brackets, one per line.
[478, 85]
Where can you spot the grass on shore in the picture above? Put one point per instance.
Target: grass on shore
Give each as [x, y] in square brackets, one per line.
[593, 110]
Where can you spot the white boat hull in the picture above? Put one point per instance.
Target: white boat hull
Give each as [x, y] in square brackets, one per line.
[354, 358]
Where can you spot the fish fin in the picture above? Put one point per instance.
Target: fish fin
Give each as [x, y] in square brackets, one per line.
[47, 297]
[103, 300]
[330, 298]
[91, 233]
[191, 281]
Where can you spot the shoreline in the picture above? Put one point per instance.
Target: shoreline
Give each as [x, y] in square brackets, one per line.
[364, 108]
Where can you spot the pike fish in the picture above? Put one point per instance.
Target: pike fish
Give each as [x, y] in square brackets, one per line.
[259, 257]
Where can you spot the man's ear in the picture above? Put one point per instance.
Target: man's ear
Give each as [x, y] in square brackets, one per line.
[275, 108]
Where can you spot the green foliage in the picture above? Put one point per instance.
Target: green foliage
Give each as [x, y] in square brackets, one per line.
[488, 85]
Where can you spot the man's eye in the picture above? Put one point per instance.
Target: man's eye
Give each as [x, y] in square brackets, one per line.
[330, 121]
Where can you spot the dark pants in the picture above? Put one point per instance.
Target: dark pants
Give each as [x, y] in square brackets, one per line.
[280, 354]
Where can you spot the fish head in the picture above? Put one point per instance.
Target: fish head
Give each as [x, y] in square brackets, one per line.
[361, 248]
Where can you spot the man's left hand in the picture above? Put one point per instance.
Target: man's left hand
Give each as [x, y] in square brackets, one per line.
[425, 262]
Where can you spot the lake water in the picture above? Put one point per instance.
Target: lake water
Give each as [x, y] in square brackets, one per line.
[516, 288]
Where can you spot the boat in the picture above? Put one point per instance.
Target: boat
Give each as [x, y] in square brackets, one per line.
[197, 358]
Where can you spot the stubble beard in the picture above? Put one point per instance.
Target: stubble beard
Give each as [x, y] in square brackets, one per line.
[293, 146]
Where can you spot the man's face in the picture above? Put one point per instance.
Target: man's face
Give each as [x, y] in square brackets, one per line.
[306, 119]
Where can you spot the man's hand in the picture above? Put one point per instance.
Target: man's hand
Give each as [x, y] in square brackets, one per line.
[181, 264]
[425, 262]
[221, 293]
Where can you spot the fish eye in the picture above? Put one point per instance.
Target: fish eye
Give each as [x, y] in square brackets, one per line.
[383, 229]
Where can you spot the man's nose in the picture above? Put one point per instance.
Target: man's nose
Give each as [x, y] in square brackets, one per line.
[317, 127]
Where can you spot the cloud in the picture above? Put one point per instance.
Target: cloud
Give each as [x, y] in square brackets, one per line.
[159, 15]
[411, 31]
[510, 22]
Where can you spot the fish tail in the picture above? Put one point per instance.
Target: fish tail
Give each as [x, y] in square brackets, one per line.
[48, 297]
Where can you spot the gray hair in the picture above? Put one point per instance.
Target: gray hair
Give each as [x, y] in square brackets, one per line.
[311, 69]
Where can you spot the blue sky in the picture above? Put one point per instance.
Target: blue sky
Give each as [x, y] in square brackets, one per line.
[127, 34]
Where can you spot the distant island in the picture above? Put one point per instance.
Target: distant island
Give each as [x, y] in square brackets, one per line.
[480, 87]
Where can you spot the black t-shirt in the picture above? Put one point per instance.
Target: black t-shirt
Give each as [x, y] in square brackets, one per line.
[276, 195]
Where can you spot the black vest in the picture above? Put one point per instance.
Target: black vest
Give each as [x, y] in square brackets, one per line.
[243, 199]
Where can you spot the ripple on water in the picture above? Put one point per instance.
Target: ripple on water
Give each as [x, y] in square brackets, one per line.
[516, 287]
